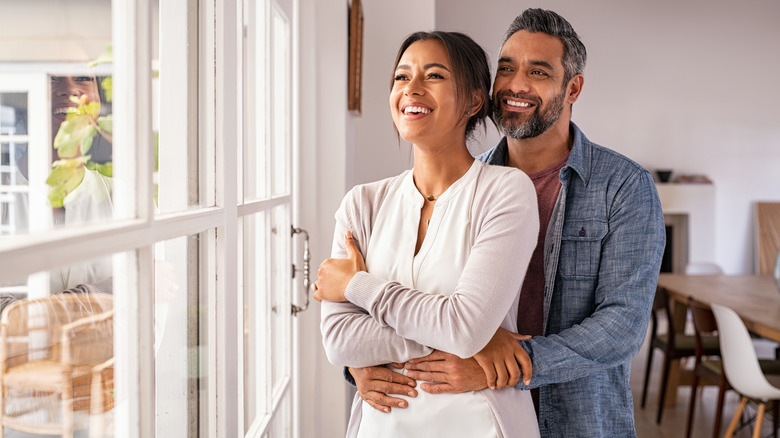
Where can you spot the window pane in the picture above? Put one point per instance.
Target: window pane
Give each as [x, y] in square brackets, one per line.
[58, 356]
[180, 339]
[55, 115]
[177, 154]
[256, 104]
[14, 190]
[280, 294]
[256, 305]
[282, 70]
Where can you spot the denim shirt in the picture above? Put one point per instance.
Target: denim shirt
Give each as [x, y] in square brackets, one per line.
[603, 252]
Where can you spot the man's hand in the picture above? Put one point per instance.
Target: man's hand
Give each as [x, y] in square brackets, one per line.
[496, 366]
[375, 383]
[334, 275]
[450, 373]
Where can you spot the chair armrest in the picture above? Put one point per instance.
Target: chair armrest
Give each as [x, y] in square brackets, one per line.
[66, 329]
[98, 369]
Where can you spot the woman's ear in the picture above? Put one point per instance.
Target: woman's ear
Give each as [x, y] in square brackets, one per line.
[477, 100]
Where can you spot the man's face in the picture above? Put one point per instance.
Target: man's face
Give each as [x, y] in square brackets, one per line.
[528, 93]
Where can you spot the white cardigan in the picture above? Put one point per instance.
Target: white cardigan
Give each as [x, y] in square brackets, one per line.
[386, 321]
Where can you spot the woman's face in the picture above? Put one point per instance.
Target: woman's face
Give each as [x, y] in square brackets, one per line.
[62, 87]
[423, 100]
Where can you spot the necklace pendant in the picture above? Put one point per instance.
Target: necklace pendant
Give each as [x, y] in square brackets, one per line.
[431, 198]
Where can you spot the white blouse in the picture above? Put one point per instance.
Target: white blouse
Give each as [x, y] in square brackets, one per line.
[451, 296]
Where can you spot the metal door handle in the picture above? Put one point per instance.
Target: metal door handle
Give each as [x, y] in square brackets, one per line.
[305, 269]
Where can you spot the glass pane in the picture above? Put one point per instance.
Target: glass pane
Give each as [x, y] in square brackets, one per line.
[281, 424]
[281, 304]
[13, 113]
[58, 352]
[14, 189]
[180, 339]
[282, 145]
[177, 157]
[256, 304]
[256, 103]
[55, 113]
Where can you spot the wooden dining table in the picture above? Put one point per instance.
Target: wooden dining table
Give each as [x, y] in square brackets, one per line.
[755, 298]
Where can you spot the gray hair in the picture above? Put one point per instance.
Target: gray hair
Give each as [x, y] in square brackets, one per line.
[549, 22]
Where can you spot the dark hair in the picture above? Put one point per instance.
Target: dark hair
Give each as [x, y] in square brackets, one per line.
[549, 22]
[469, 68]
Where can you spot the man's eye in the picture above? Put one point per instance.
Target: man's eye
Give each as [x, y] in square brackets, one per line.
[539, 73]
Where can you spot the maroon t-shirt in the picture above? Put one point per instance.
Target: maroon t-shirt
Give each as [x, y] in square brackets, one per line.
[530, 313]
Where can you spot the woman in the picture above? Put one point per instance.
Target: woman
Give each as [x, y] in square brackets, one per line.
[457, 229]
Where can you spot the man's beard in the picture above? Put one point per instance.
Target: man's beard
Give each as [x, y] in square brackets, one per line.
[540, 120]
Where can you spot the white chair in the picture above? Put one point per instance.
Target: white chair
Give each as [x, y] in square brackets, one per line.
[740, 363]
[703, 268]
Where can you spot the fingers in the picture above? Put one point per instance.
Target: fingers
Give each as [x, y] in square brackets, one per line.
[436, 355]
[437, 388]
[519, 337]
[382, 402]
[375, 383]
[317, 296]
[525, 364]
[428, 376]
[514, 372]
[349, 243]
[489, 370]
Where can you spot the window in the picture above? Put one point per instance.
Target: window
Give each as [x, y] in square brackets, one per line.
[174, 209]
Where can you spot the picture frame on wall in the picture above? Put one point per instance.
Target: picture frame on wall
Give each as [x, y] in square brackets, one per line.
[355, 71]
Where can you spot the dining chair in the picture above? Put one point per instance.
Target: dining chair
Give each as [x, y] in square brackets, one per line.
[49, 348]
[707, 368]
[674, 344]
[742, 368]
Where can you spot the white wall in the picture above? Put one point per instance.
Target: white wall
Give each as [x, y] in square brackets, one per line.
[377, 152]
[682, 85]
[689, 86]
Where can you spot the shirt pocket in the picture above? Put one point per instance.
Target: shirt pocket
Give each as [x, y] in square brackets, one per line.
[581, 248]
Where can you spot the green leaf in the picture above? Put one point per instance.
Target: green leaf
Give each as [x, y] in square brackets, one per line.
[75, 135]
[64, 179]
[106, 123]
[92, 109]
[105, 169]
[108, 86]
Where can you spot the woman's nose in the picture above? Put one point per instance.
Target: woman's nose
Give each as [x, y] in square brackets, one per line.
[414, 87]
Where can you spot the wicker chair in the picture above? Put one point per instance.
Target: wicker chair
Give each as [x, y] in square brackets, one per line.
[49, 350]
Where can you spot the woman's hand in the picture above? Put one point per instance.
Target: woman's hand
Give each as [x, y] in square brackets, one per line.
[334, 275]
[500, 358]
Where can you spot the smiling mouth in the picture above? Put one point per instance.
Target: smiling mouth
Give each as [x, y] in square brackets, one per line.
[516, 104]
[64, 110]
[416, 110]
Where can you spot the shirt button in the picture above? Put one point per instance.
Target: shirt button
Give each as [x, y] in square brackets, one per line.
[582, 232]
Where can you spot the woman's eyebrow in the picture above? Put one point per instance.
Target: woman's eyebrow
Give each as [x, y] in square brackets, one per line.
[426, 66]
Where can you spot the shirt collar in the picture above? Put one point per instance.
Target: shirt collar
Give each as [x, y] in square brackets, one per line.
[579, 157]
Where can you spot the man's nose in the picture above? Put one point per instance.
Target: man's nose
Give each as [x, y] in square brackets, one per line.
[519, 83]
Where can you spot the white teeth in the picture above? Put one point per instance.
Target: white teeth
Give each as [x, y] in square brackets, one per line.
[65, 110]
[520, 104]
[416, 109]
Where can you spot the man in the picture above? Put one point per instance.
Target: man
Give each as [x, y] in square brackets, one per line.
[590, 286]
